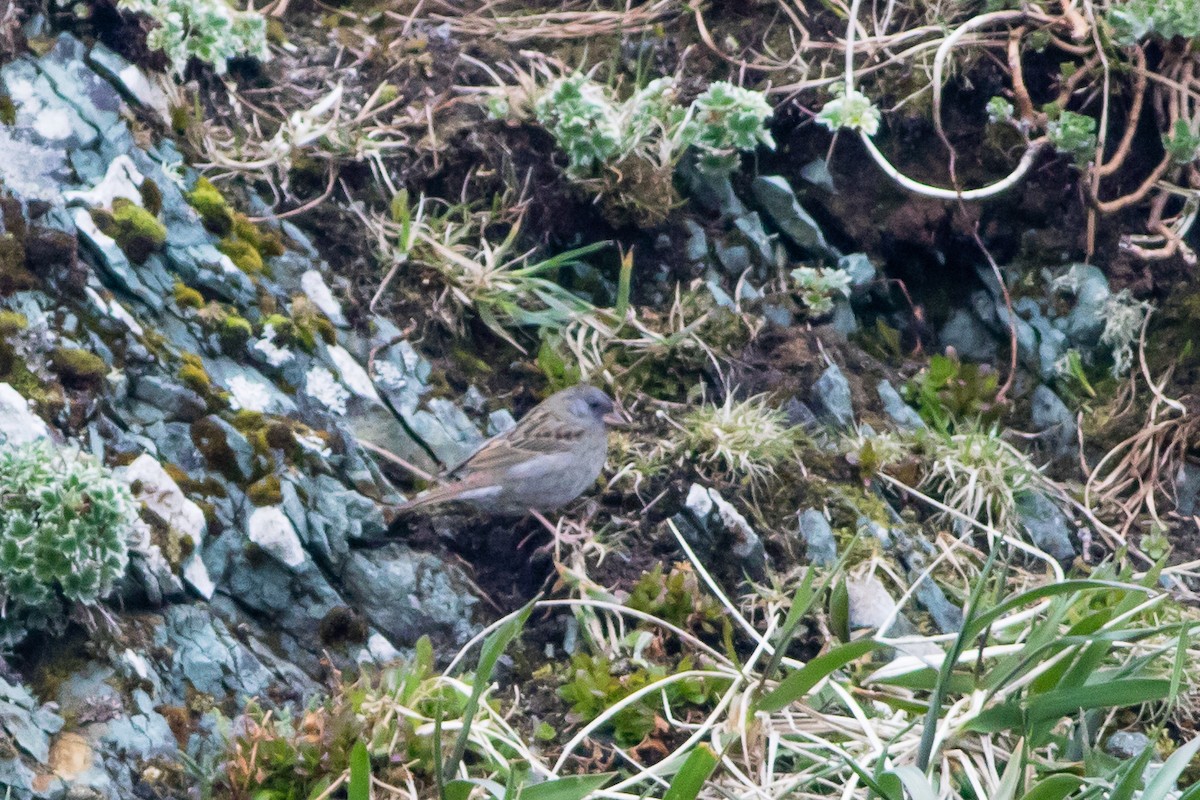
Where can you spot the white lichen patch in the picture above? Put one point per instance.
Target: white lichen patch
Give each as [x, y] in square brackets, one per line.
[353, 375]
[314, 287]
[246, 394]
[322, 386]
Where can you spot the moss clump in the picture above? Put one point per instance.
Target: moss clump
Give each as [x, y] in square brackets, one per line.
[266, 492]
[310, 323]
[78, 367]
[12, 322]
[137, 232]
[152, 199]
[210, 440]
[234, 332]
[242, 254]
[8, 111]
[194, 376]
[187, 297]
[14, 273]
[265, 242]
[212, 206]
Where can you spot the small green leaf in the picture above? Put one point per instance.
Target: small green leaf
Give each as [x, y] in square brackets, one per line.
[359, 787]
[797, 684]
[572, 787]
[690, 779]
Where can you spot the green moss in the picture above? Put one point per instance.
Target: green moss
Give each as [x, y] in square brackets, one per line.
[210, 440]
[13, 275]
[12, 322]
[152, 199]
[78, 367]
[266, 242]
[8, 111]
[194, 376]
[242, 254]
[212, 206]
[16, 373]
[137, 232]
[266, 492]
[234, 331]
[310, 323]
[181, 119]
[187, 297]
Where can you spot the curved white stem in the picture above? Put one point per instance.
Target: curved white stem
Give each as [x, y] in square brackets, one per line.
[991, 190]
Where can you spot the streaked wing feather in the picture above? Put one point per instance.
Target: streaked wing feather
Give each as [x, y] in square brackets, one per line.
[538, 434]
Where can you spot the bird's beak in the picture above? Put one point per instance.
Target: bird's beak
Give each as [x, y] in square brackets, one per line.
[617, 418]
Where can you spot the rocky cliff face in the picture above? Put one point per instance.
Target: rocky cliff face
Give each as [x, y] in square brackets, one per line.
[204, 356]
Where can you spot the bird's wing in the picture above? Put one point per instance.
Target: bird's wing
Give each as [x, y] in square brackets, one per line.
[540, 433]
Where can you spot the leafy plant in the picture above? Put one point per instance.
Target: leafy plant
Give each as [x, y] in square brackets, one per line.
[1136, 20]
[208, 30]
[948, 391]
[999, 110]
[678, 598]
[1182, 145]
[595, 684]
[64, 536]
[1071, 133]
[723, 122]
[818, 286]
[853, 110]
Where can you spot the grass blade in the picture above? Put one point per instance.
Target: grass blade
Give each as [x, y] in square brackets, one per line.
[493, 647]
[797, 684]
[690, 779]
[359, 787]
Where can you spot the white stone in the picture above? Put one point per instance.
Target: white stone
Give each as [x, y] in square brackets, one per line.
[320, 385]
[18, 424]
[115, 310]
[121, 180]
[163, 498]
[53, 124]
[314, 287]
[249, 394]
[353, 375]
[270, 529]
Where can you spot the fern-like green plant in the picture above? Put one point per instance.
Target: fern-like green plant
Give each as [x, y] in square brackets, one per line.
[64, 532]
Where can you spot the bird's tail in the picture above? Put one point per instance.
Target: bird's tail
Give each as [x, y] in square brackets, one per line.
[463, 491]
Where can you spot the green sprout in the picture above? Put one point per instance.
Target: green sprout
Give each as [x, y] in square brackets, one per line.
[1182, 145]
[852, 110]
[1071, 133]
[819, 286]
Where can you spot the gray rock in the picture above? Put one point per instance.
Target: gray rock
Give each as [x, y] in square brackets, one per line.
[696, 248]
[1187, 489]
[817, 173]
[1054, 421]
[18, 424]
[202, 655]
[179, 402]
[969, 337]
[1085, 323]
[947, 617]
[831, 397]
[1047, 525]
[1127, 744]
[407, 594]
[904, 415]
[778, 200]
[820, 548]
[860, 268]
[717, 530]
[27, 723]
